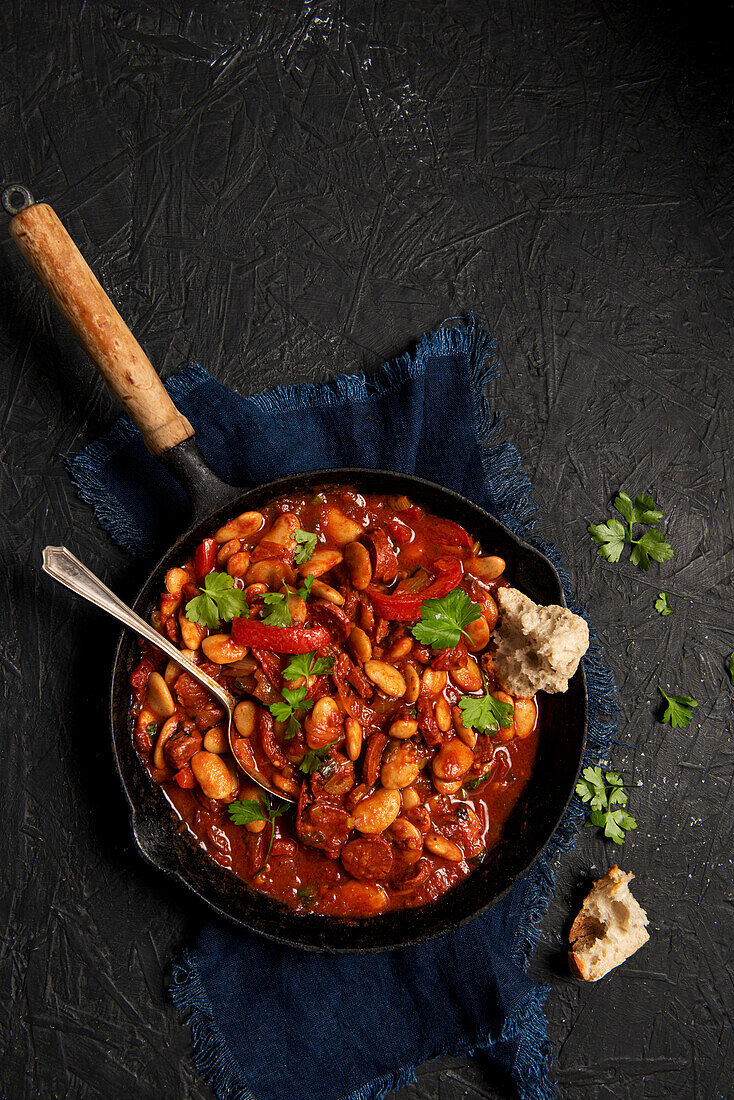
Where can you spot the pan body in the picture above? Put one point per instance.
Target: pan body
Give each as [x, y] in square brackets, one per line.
[528, 829]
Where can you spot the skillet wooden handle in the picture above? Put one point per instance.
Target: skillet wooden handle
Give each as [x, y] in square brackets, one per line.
[98, 327]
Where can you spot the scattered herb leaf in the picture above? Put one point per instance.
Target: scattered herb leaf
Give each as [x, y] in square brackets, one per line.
[603, 796]
[219, 600]
[257, 809]
[307, 665]
[305, 546]
[613, 535]
[306, 893]
[473, 784]
[294, 699]
[663, 604]
[478, 859]
[679, 710]
[151, 729]
[442, 621]
[486, 714]
[315, 758]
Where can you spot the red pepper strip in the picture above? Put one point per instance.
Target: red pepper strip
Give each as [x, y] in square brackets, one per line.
[185, 778]
[442, 531]
[279, 639]
[405, 607]
[399, 531]
[205, 557]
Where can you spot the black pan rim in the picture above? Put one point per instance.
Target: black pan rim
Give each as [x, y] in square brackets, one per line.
[325, 934]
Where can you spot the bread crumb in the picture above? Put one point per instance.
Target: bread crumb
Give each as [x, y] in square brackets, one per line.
[610, 927]
[538, 648]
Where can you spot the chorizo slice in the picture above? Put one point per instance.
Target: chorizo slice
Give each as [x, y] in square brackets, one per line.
[323, 826]
[368, 859]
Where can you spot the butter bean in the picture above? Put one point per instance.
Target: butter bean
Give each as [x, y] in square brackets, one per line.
[353, 738]
[243, 526]
[440, 846]
[213, 776]
[357, 560]
[159, 698]
[360, 644]
[386, 678]
[526, 713]
[400, 765]
[377, 812]
[222, 649]
[245, 716]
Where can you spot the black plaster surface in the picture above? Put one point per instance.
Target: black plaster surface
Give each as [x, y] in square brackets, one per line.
[286, 190]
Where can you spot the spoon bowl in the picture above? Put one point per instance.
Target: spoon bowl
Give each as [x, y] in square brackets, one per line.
[61, 564]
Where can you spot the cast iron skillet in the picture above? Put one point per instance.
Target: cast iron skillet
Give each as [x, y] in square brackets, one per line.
[169, 436]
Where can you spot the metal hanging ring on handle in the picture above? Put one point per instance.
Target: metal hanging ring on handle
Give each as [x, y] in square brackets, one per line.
[16, 198]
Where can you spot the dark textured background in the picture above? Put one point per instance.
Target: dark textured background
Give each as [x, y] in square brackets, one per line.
[287, 190]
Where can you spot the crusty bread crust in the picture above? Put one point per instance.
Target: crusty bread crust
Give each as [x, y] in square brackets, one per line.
[609, 927]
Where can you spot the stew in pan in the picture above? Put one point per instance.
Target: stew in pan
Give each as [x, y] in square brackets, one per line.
[355, 633]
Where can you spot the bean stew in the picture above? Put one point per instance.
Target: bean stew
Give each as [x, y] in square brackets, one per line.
[355, 633]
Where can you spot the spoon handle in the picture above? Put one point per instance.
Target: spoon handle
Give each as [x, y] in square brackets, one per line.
[61, 564]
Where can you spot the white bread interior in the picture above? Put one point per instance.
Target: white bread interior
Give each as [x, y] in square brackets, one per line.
[610, 927]
[538, 648]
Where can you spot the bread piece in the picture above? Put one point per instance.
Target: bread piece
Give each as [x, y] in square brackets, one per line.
[610, 927]
[538, 648]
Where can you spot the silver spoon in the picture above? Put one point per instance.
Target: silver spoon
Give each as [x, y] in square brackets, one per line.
[61, 564]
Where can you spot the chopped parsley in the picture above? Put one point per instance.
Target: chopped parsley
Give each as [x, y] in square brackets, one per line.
[315, 759]
[305, 546]
[257, 809]
[278, 612]
[307, 665]
[294, 699]
[443, 620]
[218, 600]
[486, 714]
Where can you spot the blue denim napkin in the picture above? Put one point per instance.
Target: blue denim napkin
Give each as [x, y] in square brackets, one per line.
[274, 1023]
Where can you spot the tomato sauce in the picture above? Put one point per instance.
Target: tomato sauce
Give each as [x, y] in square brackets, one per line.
[395, 798]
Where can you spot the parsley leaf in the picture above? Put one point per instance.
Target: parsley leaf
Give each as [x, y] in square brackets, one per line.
[305, 590]
[219, 599]
[278, 612]
[663, 604]
[305, 546]
[651, 545]
[644, 510]
[257, 809]
[307, 665]
[486, 714]
[731, 667]
[679, 709]
[613, 535]
[315, 758]
[442, 621]
[294, 699]
[602, 796]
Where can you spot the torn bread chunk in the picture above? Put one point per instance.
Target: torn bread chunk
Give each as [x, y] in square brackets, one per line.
[538, 648]
[610, 927]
